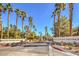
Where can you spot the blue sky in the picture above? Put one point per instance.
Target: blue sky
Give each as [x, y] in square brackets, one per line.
[41, 14]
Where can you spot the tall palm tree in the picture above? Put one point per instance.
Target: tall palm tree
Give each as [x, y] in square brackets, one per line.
[9, 9]
[40, 35]
[1, 10]
[46, 30]
[58, 13]
[59, 8]
[17, 15]
[34, 30]
[54, 15]
[23, 15]
[70, 16]
[30, 22]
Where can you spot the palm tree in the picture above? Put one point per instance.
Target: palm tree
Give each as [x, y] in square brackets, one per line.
[54, 15]
[17, 15]
[70, 16]
[40, 35]
[46, 31]
[59, 8]
[9, 9]
[30, 22]
[23, 15]
[34, 30]
[58, 13]
[1, 9]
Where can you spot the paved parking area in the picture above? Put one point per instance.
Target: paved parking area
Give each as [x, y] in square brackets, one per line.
[24, 51]
[31, 51]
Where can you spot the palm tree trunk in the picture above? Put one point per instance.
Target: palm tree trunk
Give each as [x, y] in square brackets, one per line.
[1, 31]
[59, 25]
[54, 24]
[8, 23]
[16, 24]
[70, 17]
[23, 24]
